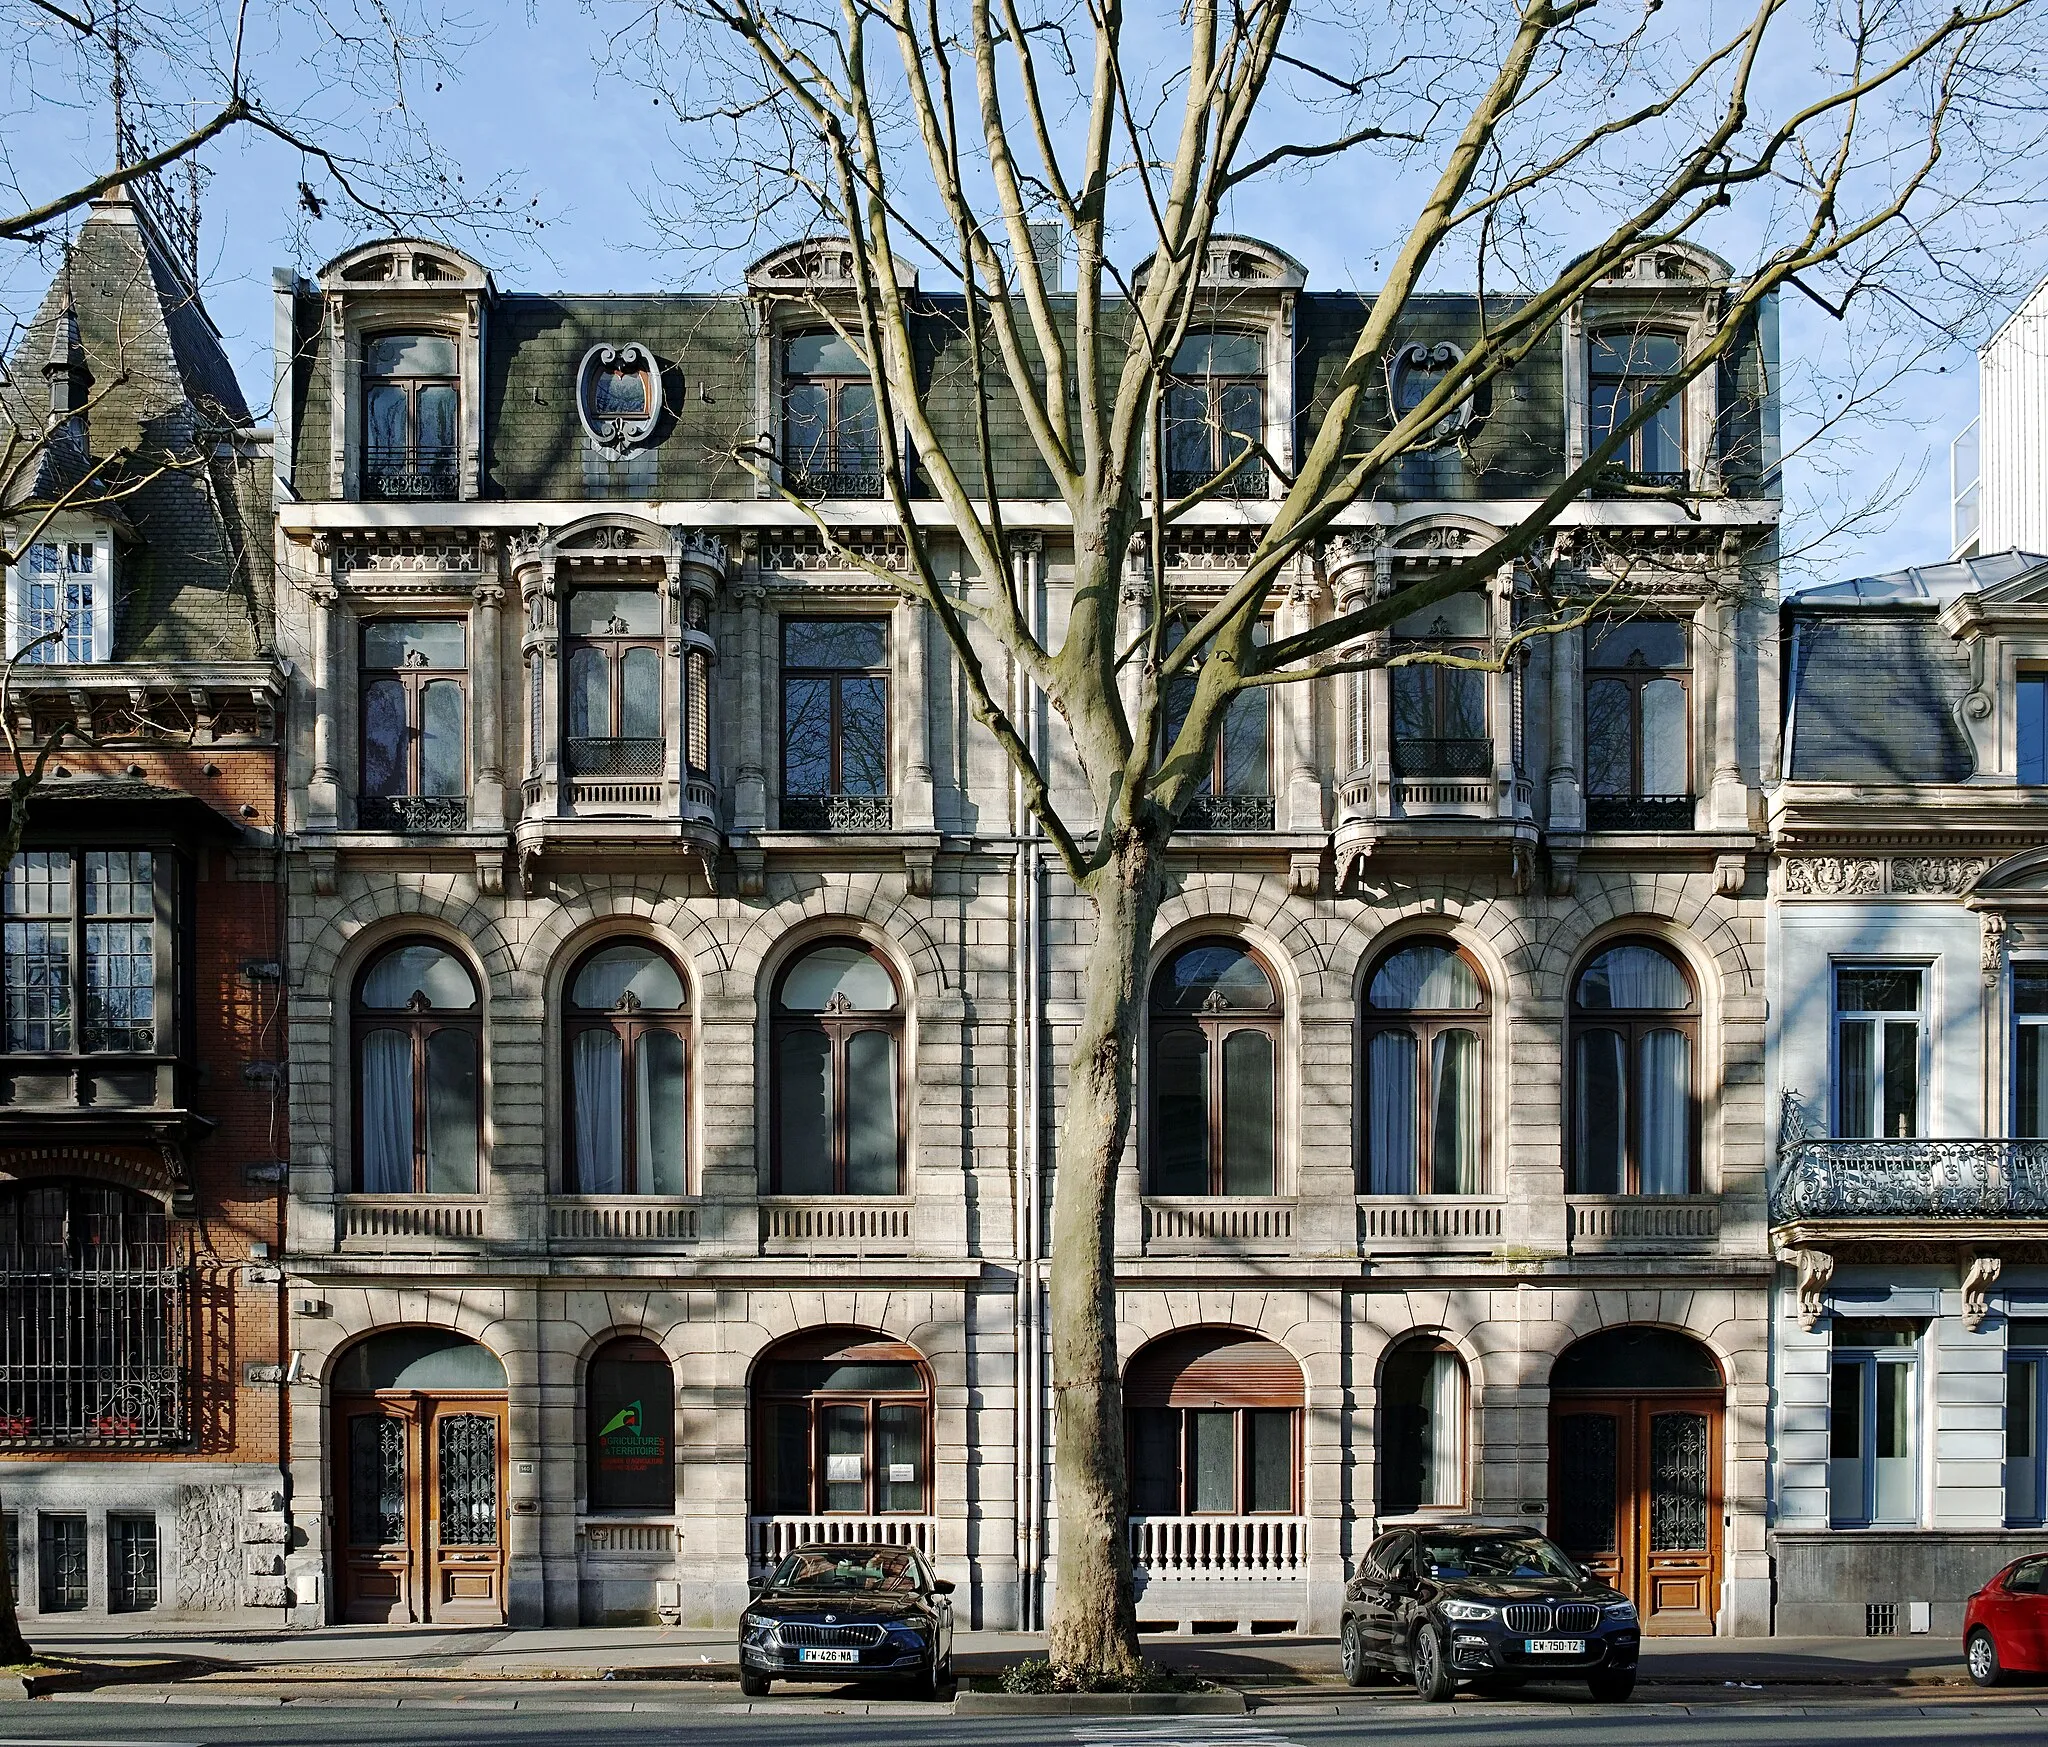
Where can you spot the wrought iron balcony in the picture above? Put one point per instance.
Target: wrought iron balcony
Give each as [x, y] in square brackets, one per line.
[1627, 481]
[825, 472]
[1228, 813]
[94, 1352]
[615, 757]
[1912, 1179]
[413, 473]
[413, 814]
[837, 813]
[1414, 757]
[1639, 812]
[1248, 481]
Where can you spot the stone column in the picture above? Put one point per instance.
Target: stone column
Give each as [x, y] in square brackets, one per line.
[487, 688]
[750, 783]
[1567, 797]
[323, 791]
[1730, 800]
[1304, 784]
[915, 803]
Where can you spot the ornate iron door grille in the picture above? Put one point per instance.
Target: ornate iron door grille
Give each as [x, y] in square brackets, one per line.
[376, 1475]
[469, 1479]
[95, 1353]
[132, 1578]
[60, 1559]
[1678, 1482]
[1588, 1455]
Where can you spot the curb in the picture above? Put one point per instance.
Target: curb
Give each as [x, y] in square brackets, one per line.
[86, 1679]
[1099, 1704]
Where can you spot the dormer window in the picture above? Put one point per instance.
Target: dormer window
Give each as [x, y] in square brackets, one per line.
[61, 592]
[1626, 368]
[831, 443]
[618, 398]
[1216, 413]
[411, 416]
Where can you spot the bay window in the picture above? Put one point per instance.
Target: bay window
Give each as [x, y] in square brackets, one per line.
[614, 683]
[86, 948]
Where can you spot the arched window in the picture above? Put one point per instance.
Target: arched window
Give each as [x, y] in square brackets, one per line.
[1425, 1029]
[842, 1426]
[628, 1041]
[1215, 1043]
[1422, 1428]
[1635, 1031]
[630, 1395]
[418, 1037]
[1214, 1426]
[837, 1125]
[1215, 413]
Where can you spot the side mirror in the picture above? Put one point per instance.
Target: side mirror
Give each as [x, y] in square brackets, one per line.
[754, 1589]
[942, 1585]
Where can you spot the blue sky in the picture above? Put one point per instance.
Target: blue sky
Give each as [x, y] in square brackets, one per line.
[524, 99]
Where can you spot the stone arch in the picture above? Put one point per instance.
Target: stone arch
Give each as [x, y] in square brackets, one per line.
[1286, 941]
[352, 931]
[1710, 947]
[901, 937]
[52, 1163]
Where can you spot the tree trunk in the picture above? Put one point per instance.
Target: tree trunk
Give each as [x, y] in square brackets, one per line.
[1093, 1624]
[13, 1646]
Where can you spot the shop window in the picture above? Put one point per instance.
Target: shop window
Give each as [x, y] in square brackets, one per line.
[411, 417]
[842, 1427]
[1216, 414]
[415, 742]
[628, 1041]
[837, 1037]
[631, 1397]
[614, 672]
[1215, 1042]
[2026, 1414]
[1425, 1060]
[418, 1042]
[1874, 1424]
[1214, 1427]
[1638, 726]
[1635, 1031]
[1880, 1050]
[835, 725]
[131, 1564]
[1237, 792]
[1422, 1428]
[831, 439]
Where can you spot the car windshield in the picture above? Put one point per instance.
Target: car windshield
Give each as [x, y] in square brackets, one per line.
[857, 1572]
[1494, 1558]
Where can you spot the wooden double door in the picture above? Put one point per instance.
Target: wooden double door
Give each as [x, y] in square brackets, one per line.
[1635, 1496]
[420, 1507]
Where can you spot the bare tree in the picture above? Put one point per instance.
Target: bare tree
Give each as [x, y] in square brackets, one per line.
[1856, 150]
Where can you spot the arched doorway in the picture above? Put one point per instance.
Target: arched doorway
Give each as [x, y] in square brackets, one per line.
[1635, 1470]
[842, 1422]
[419, 1488]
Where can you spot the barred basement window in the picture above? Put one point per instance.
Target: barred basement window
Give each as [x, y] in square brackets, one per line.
[132, 1564]
[60, 1561]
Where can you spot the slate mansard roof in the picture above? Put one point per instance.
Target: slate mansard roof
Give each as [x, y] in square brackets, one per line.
[192, 578]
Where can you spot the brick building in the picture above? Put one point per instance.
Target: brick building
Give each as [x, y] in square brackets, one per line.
[142, 1107]
[678, 993]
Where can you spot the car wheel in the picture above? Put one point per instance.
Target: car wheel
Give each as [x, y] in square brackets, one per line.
[937, 1685]
[1981, 1653]
[1357, 1671]
[1432, 1667]
[1611, 1689]
[753, 1685]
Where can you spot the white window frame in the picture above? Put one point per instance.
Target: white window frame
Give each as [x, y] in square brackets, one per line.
[99, 541]
[1838, 1016]
[1863, 1510]
[2031, 1351]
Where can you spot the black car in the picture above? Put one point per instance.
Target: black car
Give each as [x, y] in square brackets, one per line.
[1489, 1606]
[849, 1613]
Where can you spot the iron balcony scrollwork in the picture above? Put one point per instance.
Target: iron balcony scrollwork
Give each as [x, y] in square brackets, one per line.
[1247, 480]
[1229, 813]
[823, 471]
[1639, 812]
[414, 815]
[410, 472]
[837, 813]
[614, 756]
[1912, 1179]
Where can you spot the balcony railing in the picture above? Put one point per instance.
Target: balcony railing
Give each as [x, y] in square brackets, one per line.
[1229, 813]
[834, 473]
[770, 1539]
[95, 1356]
[411, 474]
[413, 814]
[837, 813]
[1248, 1549]
[1462, 757]
[1248, 481]
[1639, 812]
[1626, 481]
[615, 757]
[1912, 1179]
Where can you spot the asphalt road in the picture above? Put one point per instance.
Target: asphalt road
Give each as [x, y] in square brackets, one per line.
[372, 1721]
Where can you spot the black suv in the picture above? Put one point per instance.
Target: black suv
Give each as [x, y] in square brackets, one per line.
[1493, 1606]
[849, 1613]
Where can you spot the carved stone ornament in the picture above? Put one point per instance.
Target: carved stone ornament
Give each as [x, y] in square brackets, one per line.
[1833, 876]
[618, 397]
[1939, 875]
[1978, 1279]
[1993, 951]
[1409, 369]
[1816, 1270]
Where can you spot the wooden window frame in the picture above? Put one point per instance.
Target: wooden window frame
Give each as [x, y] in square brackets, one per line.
[413, 681]
[1632, 1023]
[1635, 678]
[613, 646]
[168, 948]
[1241, 1459]
[369, 381]
[834, 677]
[868, 1400]
[838, 1028]
[418, 1024]
[1629, 459]
[628, 1023]
[1213, 1028]
[1424, 1024]
[1251, 469]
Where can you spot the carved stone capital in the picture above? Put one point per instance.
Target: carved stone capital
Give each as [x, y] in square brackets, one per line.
[1816, 1270]
[1978, 1279]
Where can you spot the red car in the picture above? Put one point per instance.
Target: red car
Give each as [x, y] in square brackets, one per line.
[2005, 1627]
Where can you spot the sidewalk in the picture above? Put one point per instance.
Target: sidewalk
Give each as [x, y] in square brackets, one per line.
[677, 1653]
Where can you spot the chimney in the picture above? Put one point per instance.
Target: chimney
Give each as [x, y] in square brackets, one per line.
[69, 378]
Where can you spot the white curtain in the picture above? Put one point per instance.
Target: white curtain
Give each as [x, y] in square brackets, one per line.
[1428, 977]
[387, 1113]
[1454, 1113]
[1664, 1109]
[1390, 1123]
[1636, 977]
[600, 1114]
[1444, 1482]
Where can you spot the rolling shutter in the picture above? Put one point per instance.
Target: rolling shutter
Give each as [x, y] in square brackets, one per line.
[1213, 1367]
